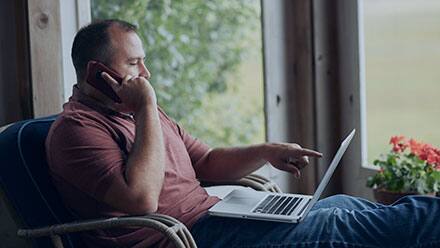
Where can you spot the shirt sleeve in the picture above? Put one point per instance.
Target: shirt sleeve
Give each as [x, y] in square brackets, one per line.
[83, 153]
[195, 147]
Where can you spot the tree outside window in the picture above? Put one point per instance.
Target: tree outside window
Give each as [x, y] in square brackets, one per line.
[205, 60]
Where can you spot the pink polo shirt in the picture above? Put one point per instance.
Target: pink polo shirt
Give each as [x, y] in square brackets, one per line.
[87, 148]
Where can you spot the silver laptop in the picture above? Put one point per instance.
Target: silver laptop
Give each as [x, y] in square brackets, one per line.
[250, 204]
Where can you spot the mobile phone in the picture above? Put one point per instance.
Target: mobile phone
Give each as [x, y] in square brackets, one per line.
[94, 78]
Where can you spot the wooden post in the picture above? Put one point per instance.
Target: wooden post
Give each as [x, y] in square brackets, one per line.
[46, 56]
[289, 82]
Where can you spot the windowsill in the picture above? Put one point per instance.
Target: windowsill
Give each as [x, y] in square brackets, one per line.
[369, 166]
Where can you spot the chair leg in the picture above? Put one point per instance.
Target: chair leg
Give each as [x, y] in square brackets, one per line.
[56, 241]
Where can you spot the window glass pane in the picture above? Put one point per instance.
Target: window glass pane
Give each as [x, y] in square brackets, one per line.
[402, 52]
[206, 63]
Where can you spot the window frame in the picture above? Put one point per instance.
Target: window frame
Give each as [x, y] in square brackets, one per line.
[363, 91]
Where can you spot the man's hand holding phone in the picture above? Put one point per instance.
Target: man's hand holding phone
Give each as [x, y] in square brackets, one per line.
[135, 92]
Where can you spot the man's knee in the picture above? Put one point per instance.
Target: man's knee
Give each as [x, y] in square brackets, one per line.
[341, 198]
[339, 201]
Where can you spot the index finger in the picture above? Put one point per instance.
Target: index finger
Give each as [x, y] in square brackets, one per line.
[308, 152]
[110, 80]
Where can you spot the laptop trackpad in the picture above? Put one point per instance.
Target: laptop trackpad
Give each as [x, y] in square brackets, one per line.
[242, 199]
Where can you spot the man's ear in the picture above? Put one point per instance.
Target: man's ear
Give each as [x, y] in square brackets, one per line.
[89, 64]
[86, 72]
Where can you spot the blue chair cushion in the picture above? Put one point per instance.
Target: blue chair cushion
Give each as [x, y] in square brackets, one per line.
[25, 179]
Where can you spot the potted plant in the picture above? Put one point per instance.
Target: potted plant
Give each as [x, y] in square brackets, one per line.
[410, 167]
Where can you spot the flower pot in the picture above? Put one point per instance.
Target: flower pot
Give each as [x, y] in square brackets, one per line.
[388, 197]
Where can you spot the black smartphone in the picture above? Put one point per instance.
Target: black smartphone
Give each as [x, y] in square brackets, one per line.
[94, 78]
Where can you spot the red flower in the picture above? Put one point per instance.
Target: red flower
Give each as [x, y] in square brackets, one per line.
[399, 143]
[397, 139]
[425, 152]
[415, 146]
[431, 158]
[430, 154]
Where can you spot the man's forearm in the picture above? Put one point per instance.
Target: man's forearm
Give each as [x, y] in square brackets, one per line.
[145, 165]
[234, 163]
[230, 163]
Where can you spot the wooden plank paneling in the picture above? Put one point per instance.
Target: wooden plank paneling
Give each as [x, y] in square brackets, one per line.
[311, 57]
[15, 100]
[354, 174]
[274, 78]
[339, 92]
[300, 86]
[46, 56]
[289, 82]
[327, 85]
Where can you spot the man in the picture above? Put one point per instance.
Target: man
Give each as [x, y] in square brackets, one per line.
[111, 159]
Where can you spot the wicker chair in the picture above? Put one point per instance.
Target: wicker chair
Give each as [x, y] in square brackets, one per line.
[30, 203]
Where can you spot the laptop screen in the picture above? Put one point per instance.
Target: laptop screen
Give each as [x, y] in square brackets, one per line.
[331, 169]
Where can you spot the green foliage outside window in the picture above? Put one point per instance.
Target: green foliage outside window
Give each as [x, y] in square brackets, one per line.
[193, 49]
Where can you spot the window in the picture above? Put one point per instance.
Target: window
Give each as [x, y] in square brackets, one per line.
[402, 54]
[206, 62]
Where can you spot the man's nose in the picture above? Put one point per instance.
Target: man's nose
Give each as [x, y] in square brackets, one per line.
[144, 72]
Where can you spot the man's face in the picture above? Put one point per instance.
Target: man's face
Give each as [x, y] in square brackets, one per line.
[128, 53]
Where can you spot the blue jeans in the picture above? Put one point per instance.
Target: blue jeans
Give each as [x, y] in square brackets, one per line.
[336, 221]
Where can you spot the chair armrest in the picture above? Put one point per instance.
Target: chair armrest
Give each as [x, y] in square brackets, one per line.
[170, 227]
[254, 181]
[3, 128]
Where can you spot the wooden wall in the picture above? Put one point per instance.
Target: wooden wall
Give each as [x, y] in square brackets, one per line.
[15, 87]
[46, 60]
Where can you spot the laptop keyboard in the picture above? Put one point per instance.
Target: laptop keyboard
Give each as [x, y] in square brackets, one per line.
[278, 204]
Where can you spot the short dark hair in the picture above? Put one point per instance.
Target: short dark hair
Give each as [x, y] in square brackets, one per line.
[92, 42]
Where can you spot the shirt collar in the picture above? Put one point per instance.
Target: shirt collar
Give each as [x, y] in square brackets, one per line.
[79, 96]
